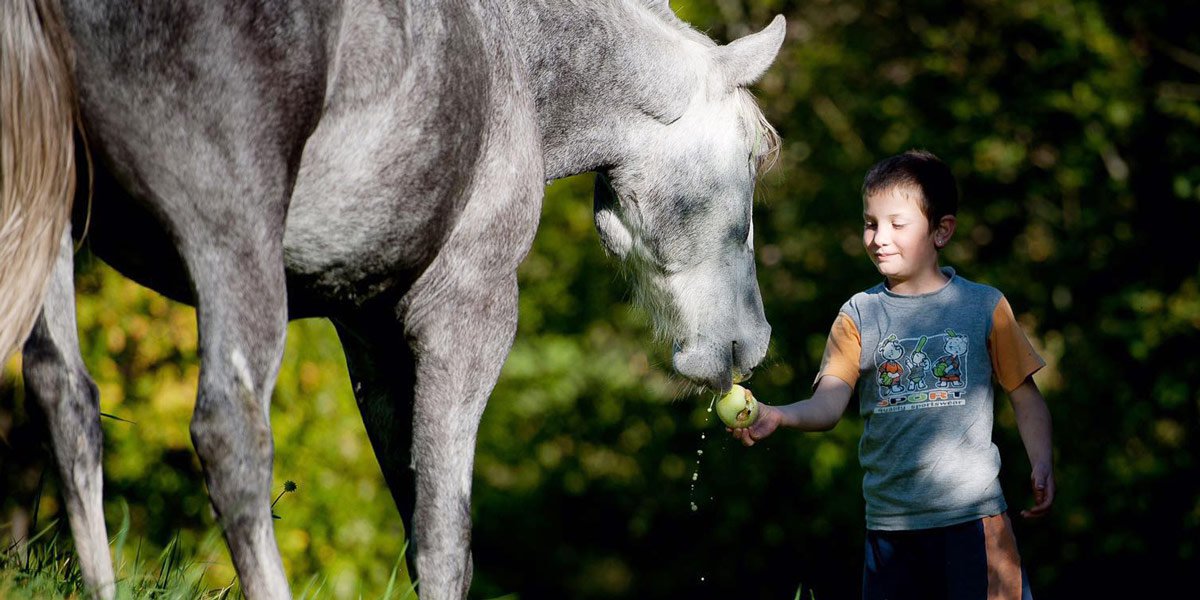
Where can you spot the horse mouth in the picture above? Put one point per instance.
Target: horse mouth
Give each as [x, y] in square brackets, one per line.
[708, 370]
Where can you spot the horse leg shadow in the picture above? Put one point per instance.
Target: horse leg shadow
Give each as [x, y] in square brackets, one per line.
[382, 374]
[56, 378]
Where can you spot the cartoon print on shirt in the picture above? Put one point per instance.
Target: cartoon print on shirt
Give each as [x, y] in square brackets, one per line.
[904, 370]
[918, 365]
[890, 372]
[948, 368]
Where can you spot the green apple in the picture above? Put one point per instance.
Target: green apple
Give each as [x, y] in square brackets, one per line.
[737, 408]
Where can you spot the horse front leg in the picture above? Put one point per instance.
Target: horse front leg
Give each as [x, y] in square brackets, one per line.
[58, 381]
[460, 331]
[242, 316]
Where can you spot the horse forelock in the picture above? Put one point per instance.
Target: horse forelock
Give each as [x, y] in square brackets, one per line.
[764, 141]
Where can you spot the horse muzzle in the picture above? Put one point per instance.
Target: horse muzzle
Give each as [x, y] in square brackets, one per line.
[718, 364]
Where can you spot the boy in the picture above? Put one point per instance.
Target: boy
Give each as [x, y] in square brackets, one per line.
[922, 348]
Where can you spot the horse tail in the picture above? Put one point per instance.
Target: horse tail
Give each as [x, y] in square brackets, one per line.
[37, 158]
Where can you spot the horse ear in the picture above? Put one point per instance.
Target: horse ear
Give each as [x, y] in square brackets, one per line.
[614, 236]
[744, 60]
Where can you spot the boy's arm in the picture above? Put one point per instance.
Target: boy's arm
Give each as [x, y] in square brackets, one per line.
[1033, 422]
[819, 413]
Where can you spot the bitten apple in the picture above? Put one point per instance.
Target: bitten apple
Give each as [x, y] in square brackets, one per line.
[738, 408]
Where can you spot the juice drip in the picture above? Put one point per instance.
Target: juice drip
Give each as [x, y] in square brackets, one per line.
[696, 473]
[699, 453]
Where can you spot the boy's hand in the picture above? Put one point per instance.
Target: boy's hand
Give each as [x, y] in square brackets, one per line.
[769, 418]
[1042, 480]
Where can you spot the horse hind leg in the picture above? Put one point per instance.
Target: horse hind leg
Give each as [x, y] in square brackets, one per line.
[57, 380]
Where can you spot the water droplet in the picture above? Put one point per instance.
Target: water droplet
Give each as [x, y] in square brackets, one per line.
[702, 579]
[699, 452]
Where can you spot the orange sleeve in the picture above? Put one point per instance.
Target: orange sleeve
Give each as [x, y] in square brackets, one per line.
[1013, 357]
[842, 351]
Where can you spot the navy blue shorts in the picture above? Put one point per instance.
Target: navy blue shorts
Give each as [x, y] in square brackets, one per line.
[973, 560]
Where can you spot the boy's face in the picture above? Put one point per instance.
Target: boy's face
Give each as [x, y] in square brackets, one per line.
[897, 234]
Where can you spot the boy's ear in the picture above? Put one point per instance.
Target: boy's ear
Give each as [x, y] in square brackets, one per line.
[944, 231]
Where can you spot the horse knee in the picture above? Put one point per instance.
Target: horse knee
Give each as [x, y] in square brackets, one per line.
[226, 425]
[230, 431]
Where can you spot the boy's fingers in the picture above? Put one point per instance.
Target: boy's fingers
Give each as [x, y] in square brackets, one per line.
[1043, 495]
[1035, 512]
[1041, 508]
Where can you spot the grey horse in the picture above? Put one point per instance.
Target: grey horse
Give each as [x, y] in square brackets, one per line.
[379, 163]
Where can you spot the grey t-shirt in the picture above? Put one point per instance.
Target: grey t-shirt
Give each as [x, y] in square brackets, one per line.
[925, 393]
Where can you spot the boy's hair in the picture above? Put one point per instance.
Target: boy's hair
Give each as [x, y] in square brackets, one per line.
[922, 170]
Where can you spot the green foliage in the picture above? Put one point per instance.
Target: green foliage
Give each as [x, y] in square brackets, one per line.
[1071, 127]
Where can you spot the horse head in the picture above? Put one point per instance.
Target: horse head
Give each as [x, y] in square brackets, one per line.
[677, 208]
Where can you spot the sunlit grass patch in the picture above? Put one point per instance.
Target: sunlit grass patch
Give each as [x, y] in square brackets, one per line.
[45, 566]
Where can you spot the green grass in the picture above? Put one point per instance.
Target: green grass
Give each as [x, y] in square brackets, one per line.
[49, 569]
[800, 590]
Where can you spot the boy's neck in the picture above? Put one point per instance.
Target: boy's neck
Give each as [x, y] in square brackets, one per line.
[923, 283]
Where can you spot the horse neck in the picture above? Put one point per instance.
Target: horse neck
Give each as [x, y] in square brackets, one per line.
[599, 69]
